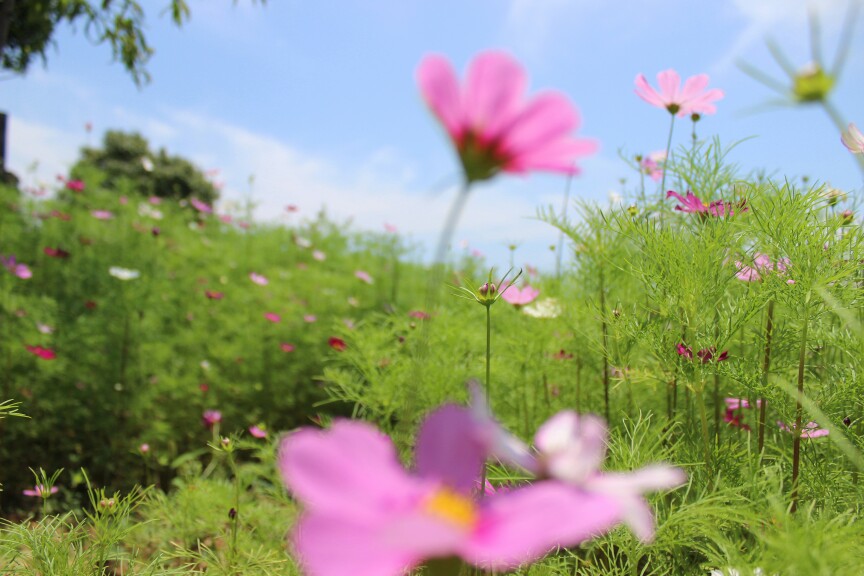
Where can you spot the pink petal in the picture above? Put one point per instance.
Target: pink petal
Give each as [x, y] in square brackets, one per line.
[449, 448]
[440, 88]
[522, 525]
[693, 86]
[548, 116]
[572, 446]
[669, 83]
[554, 156]
[493, 92]
[645, 91]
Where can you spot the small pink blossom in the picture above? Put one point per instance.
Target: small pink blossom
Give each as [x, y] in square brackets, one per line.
[762, 266]
[258, 279]
[319, 255]
[76, 186]
[517, 297]
[155, 200]
[684, 351]
[692, 98]
[363, 276]
[44, 353]
[651, 165]
[200, 206]
[102, 214]
[226, 218]
[310, 318]
[718, 208]
[272, 317]
[491, 123]
[55, 252]
[287, 347]
[391, 228]
[124, 200]
[853, 139]
[40, 491]
[213, 295]
[291, 208]
[257, 431]
[22, 271]
[144, 448]
[337, 344]
[419, 314]
[44, 328]
[211, 418]
[810, 430]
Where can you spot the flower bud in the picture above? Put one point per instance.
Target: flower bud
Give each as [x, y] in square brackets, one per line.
[488, 289]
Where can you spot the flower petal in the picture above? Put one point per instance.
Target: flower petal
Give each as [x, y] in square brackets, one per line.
[572, 446]
[669, 83]
[645, 91]
[493, 92]
[440, 88]
[449, 448]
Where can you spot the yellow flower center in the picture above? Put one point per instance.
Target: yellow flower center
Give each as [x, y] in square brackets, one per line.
[452, 507]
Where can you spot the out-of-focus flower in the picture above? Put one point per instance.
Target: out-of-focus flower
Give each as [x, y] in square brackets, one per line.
[562, 355]
[40, 491]
[319, 255]
[337, 343]
[853, 139]
[44, 353]
[272, 317]
[491, 124]
[200, 206]
[44, 328]
[310, 318]
[258, 431]
[517, 297]
[258, 279]
[155, 200]
[55, 252]
[392, 229]
[76, 186]
[16, 268]
[287, 347]
[810, 430]
[419, 314]
[102, 214]
[146, 210]
[706, 355]
[211, 417]
[363, 277]
[762, 266]
[546, 308]
[144, 448]
[291, 208]
[692, 98]
[718, 208]
[147, 164]
[684, 351]
[734, 412]
[651, 165]
[213, 295]
[124, 274]
[303, 242]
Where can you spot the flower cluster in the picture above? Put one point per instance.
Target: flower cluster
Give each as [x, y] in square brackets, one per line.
[691, 204]
[359, 500]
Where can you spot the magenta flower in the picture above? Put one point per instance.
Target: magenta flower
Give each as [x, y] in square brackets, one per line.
[75, 186]
[363, 276]
[853, 139]
[337, 343]
[211, 418]
[650, 165]
[692, 98]
[734, 411]
[693, 205]
[16, 268]
[706, 355]
[214, 295]
[258, 431]
[44, 353]
[384, 520]
[493, 127]
[518, 297]
[200, 206]
[310, 318]
[40, 491]
[272, 317]
[258, 279]
[811, 429]
[102, 214]
[419, 315]
[287, 347]
[684, 351]
[55, 252]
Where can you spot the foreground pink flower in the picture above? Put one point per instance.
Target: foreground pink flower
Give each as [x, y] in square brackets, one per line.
[692, 98]
[494, 128]
[693, 205]
[16, 268]
[853, 139]
[75, 186]
[258, 279]
[258, 431]
[518, 297]
[384, 521]
[44, 353]
[810, 430]
[40, 491]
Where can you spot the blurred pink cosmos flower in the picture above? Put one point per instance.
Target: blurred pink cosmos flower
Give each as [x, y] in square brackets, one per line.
[55, 252]
[391, 228]
[319, 255]
[706, 355]
[155, 200]
[200, 206]
[336, 343]
[16, 268]
[44, 353]
[211, 418]
[258, 279]
[213, 295]
[734, 408]
[517, 297]
[257, 431]
[762, 265]
[291, 208]
[102, 214]
[287, 347]
[419, 314]
[363, 277]
[144, 448]
[384, 520]
[75, 186]
[40, 491]
[853, 139]
[310, 318]
[693, 205]
[272, 317]
[692, 98]
[493, 126]
[650, 165]
[811, 429]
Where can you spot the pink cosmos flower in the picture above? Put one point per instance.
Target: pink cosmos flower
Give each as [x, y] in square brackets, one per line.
[762, 265]
[337, 344]
[200, 206]
[692, 98]
[16, 268]
[144, 448]
[102, 214]
[257, 431]
[55, 252]
[363, 277]
[385, 520]
[693, 205]
[517, 297]
[226, 218]
[75, 186]
[706, 355]
[319, 255]
[213, 295]
[258, 279]
[291, 208]
[310, 318]
[40, 491]
[811, 429]
[287, 347]
[211, 418]
[391, 228]
[684, 351]
[734, 411]
[493, 126]
[155, 200]
[44, 353]
[272, 317]
[853, 139]
[419, 314]
[650, 165]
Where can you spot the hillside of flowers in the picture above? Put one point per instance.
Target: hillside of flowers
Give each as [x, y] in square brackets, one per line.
[189, 391]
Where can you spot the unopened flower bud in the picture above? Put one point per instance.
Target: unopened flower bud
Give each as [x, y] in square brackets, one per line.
[847, 421]
[232, 514]
[106, 503]
[226, 442]
[695, 117]
[488, 289]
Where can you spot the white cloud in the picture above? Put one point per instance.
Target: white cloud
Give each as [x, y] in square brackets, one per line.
[38, 153]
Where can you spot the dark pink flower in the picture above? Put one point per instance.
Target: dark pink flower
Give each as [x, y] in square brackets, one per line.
[40, 491]
[762, 265]
[419, 314]
[718, 208]
[200, 206]
[44, 353]
[692, 98]
[707, 355]
[213, 295]
[336, 343]
[211, 418]
[684, 351]
[562, 355]
[272, 317]
[492, 125]
[56, 252]
[650, 165]
[75, 186]
[287, 347]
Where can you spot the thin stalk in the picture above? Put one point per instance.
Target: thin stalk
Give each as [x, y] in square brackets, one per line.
[605, 331]
[766, 366]
[706, 442]
[716, 378]
[561, 232]
[799, 412]
[668, 158]
[232, 551]
[488, 384]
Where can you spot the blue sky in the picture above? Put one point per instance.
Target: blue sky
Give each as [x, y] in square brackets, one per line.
[318, 100]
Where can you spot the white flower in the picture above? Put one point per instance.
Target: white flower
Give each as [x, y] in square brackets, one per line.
[546, 308]
[123, 273]
[615, 198]
[147, 211]
[147, 164]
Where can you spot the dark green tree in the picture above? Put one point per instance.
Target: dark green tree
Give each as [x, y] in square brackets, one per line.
[126, 160]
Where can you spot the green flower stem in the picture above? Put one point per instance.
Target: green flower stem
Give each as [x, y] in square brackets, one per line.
[799, 410]
[232, 549]
[766, 366]
[666, 161]
[564, 206]
[488, 383]
[605, 331]
[706, 437]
